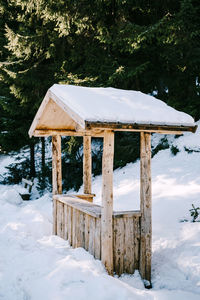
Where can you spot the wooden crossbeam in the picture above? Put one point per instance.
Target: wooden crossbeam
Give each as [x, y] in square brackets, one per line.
[63, 132]
[118, 126]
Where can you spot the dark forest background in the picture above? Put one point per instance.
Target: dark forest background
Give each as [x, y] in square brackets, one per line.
[151, 46]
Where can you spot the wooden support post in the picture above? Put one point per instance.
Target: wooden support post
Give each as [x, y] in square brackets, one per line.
[56, 175]
[145, 206]
[107, 202]
[87, 165]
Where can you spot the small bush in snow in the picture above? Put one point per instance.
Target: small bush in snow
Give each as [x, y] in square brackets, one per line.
[195, 212]
[174, 150]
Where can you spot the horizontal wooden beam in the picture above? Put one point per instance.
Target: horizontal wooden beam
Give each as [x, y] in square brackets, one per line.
[62, 132]
[118, 126]
[92, 209]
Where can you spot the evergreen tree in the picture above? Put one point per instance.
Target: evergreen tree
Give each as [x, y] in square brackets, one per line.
[152, 46]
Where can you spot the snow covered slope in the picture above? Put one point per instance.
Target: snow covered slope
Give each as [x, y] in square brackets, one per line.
[36, 265]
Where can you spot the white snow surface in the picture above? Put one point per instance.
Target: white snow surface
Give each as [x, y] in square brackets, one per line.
[116, 105]
[36, 265]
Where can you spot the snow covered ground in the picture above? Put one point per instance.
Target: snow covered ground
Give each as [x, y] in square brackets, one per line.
[37, 265]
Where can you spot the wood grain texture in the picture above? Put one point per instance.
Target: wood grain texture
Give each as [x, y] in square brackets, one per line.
[54, 216]
[54, 117]
[69, 224]
[107, 202]
[137, 237]
[128, 246]
[87, 165]
[92, 236]
[119, 126]
[97, 241]
[84, 230]
[56, 165]
[87, 231]
[119, 246]
[62, 220]
[63, 132]
[73, 228]
[65, 216]
[88, 197]
[145, 206]
[59, 218]
[77, 229]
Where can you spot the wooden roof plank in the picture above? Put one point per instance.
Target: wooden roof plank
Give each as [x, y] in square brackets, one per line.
[117, 126]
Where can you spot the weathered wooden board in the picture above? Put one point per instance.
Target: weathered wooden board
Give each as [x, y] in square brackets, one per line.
[54, 216]
[118, 126]
[118, 243]
[145, 206]
[137, 237]
[92, 236]
[87, 165]
[59, 218]
[83, 229]
[107, 202]
[97, 242]
[65, 218]
[129, 255]
[56, 165]
[87, 231]
[69, 224]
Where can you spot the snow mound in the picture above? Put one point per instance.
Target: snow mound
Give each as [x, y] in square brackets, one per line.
[11, 196]
[189, 141]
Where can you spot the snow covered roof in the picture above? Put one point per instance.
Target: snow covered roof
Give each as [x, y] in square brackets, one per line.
[68, 107]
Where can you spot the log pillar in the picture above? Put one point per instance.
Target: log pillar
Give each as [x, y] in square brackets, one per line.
[145, 207]
[107, 202]
[87, 165]
[56, 175]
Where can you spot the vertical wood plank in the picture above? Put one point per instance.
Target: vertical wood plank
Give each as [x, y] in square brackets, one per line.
[92, 236]
[97, 241]
[87, 165]
[62, 220]
[65, 235]
[87, 231]
[69, 224]
[54, 216]
[137, 237]
[77, 229]
[128, 245]
[145, 206]
[119, 245]
[81, 230]
[59, 220]
[73, 227]
[107, 202]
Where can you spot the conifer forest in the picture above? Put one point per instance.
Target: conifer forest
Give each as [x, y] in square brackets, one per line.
[149, 46]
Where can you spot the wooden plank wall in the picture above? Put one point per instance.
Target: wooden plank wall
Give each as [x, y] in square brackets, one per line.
[126, 243]
[79, 228]
[84, 230]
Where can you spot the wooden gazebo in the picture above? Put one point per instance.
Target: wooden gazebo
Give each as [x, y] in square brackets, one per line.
[122, 240]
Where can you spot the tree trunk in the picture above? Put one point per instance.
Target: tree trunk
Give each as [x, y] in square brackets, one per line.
[32, 160]
[43, 156]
